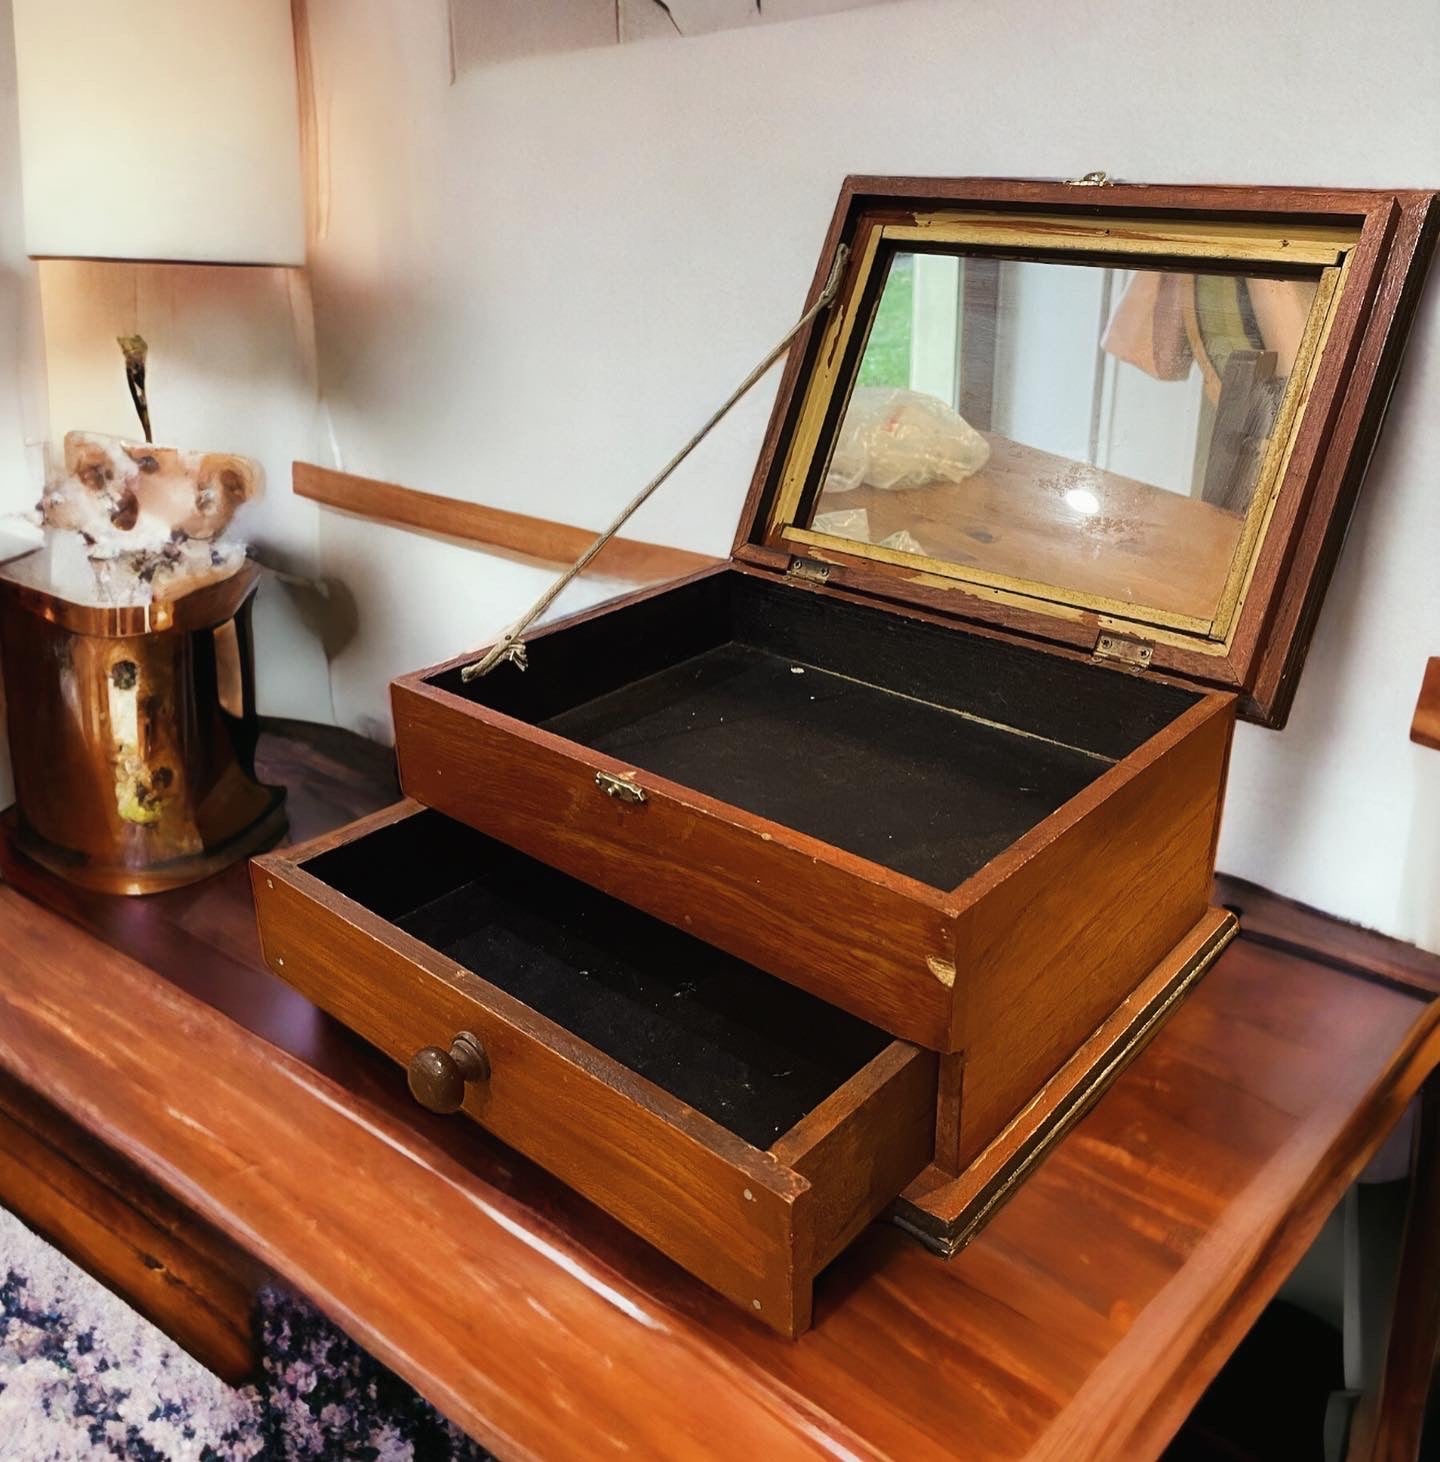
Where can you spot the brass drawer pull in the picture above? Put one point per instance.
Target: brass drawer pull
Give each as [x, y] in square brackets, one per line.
[438, 1078]
[622, 788]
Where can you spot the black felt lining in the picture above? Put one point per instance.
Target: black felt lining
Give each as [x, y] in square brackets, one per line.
[914, 787]
[747, 1050]
[921, 747]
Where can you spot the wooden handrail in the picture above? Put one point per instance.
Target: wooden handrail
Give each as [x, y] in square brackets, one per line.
[1425, 728]
[537, 538]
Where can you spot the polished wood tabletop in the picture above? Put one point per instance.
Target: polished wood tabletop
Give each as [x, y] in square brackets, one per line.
[1084, 1321]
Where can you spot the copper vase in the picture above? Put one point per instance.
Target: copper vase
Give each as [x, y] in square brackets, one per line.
[132, 735]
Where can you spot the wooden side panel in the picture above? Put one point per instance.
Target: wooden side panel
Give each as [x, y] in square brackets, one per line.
[724, 1211]
[866, 940]
[949, 1102]
[947, 1207]
[856, 1147]
[121, 1226]
[1063, 926]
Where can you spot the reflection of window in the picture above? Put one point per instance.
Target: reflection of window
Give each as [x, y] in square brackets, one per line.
[889, 358]
[915, 335]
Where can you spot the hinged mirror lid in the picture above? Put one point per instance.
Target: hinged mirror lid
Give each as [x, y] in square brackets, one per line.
[1094, 415]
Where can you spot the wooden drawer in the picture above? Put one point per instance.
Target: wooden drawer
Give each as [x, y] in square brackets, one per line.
[742, 1126]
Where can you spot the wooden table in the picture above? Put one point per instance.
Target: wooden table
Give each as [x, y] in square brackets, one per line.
[185, 1123]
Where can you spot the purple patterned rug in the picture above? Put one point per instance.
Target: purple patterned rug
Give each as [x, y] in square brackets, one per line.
[83, 1377]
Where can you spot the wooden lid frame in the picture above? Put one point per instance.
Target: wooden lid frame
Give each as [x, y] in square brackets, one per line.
[1370, 249]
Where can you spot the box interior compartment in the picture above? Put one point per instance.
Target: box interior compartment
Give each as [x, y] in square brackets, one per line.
[923, 748]
[747, 1050]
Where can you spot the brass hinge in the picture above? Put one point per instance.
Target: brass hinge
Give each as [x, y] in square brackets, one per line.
[1134, 653]
[809, 569]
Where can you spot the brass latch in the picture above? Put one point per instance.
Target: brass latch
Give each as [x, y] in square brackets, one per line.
[809, 569]
[622, 788]
[1134, 653]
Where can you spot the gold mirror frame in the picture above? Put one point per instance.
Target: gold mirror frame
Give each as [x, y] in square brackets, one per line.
[1318, 250]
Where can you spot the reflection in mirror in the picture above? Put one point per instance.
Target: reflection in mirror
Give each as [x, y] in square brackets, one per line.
[1095, 429]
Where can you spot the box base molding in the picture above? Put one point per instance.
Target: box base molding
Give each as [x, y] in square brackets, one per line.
[946, 1210]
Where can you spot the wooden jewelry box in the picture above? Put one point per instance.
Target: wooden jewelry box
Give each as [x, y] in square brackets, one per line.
[858, 863]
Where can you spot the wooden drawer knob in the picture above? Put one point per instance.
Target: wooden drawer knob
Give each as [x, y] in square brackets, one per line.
[438, 1078]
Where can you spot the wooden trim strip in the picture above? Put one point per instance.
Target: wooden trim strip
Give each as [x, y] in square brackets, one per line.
[538, 538]
[1216, 239]
[1294, 928]
[1425, 727]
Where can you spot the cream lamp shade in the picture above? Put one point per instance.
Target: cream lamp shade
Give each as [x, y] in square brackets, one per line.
[160, 130]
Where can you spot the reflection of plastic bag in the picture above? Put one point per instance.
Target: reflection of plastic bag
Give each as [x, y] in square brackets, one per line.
[896, 439]
[854, 524]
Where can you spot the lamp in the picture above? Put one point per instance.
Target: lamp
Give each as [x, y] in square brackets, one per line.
[151, 131]
[163, 130]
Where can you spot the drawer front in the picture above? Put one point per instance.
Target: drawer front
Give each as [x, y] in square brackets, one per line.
[747, 1224]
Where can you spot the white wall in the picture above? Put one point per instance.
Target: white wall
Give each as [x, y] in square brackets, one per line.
[532, 285]
[22, 395]
[22, 398]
